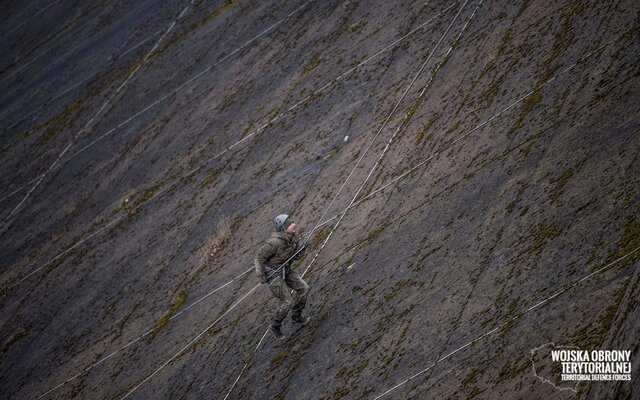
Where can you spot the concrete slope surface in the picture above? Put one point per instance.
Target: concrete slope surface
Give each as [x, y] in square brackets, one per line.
[471, 168]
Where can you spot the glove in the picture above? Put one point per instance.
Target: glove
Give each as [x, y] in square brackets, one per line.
[299, 252]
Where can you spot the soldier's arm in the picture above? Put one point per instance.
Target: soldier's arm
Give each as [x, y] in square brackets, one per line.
[262, 258]
[300, 251]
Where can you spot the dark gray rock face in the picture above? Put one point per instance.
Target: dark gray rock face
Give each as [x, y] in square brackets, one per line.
[147, 145]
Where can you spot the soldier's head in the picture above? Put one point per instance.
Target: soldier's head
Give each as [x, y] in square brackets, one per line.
[284, 223]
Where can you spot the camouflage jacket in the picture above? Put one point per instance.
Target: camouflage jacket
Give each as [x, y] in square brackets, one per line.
[274, 252]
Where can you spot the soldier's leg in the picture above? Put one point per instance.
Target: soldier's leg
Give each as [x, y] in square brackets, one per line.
[300, 292]
[281, 292]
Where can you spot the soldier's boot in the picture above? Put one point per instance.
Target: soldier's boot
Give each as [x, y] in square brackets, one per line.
[276, 332]
[299, 320]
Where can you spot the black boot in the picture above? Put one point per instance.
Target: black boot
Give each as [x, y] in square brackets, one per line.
[299, 320]
[276, 332]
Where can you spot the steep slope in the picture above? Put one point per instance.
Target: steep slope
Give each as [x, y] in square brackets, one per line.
[146, 146]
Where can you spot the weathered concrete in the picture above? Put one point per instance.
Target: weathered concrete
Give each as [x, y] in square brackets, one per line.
[495, 222]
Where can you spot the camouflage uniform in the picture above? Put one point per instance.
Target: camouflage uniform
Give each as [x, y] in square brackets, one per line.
[272, 254]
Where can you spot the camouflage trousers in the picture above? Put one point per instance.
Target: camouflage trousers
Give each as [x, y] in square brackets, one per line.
[286, 302]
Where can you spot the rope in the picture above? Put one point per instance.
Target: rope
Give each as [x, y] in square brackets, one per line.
[207, 161]
[57, 164]
[31, 16]
[176, 355]
[332, 82]
[7, 221]
[100, 361]
[386, 148]
[110, 60]
[161, 190]
[370, 195]
[62, 39]
[406, 173]
[370, 172]
[191, 342]
[508, 321]
[366, 197]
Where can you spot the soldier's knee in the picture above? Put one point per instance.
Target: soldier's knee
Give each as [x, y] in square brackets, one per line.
[287, 304]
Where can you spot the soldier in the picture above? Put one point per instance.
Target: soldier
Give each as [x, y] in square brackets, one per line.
[273, 267]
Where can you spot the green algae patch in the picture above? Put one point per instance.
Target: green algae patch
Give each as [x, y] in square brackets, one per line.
[177, 302]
